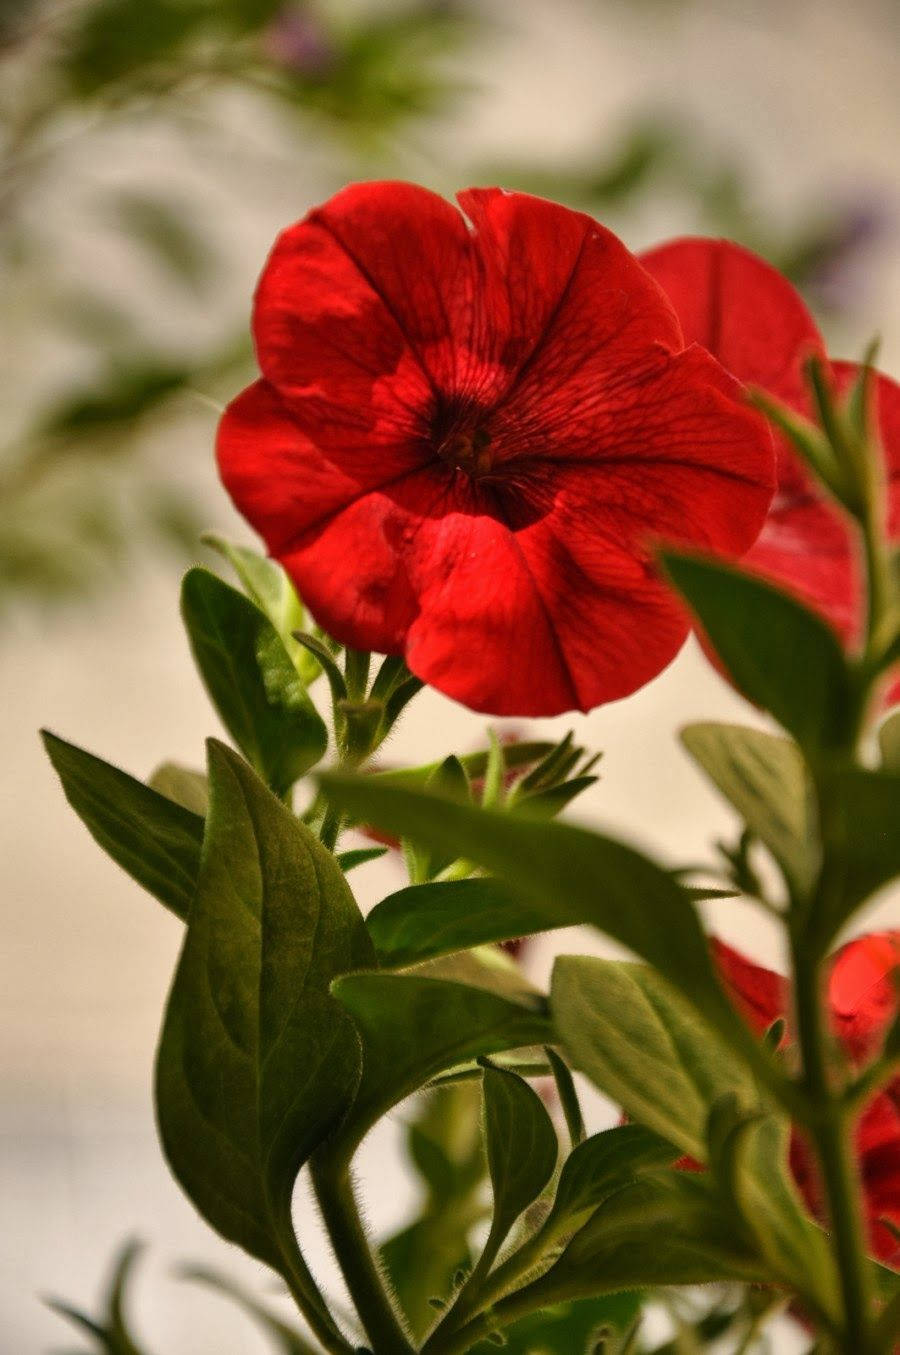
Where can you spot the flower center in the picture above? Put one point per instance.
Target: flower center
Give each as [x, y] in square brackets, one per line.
[460, 436]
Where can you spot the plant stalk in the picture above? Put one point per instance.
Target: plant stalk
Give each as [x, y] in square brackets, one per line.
[334, 1192]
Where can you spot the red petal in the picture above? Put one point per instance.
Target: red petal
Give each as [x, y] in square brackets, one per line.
[561, 301]
[761, 995]
[744, 311]
[862, 991]
[382, 273]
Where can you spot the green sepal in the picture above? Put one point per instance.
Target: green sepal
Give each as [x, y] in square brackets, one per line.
[112, 1333]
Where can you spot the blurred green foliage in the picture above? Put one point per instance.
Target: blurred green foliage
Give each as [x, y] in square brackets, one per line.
[102, 388]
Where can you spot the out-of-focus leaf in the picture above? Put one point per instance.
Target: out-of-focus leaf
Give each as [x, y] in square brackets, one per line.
[167, 233]
[782, 656]
[287, 1339]
[111, 1334]
[256, 689]
[184, 785]
[863, 834]
[765, 779]
[153, 838]
[257, 1063]
[638, 1040]
[127, 393]
[115, 39]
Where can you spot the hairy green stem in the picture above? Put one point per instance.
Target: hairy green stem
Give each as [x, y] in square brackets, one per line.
[334, 1192]
[830, 1126]
[305, 1293]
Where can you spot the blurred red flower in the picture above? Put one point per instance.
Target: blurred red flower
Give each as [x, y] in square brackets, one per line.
[758, 326]
[862, 1000]
[468, 434]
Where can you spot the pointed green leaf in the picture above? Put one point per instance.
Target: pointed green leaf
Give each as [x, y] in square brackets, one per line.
[570, 876]
[764, 777]
[441, 917]
[782, 656]
[599, 1167]
[661, 1230]
[257, 1063]
[413, 1028]
[522, 1149]
[358, 856]
[252, 681]
[150, 836]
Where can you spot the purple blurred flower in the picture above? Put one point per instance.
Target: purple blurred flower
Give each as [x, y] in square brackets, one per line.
[836, 273]
[298, 41]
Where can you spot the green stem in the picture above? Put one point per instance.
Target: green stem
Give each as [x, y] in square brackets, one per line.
[305, 1293]
[831, 1127]
[334, 1192]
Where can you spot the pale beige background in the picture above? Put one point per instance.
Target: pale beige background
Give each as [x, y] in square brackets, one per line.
[809, 92]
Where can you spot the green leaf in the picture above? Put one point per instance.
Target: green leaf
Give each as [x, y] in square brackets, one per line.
[358, 856]
[112, 1334]
[150, 836]
[782, 656]
[625, 1027]
[452, 1022]
[266, 583]
[257, 1063]
[568, 1097]
[569, 876]
[448, 780]
[599, 1167]
[571, 1328]
[522, 1149]
[863, 835]
[661, 1230]
[764, 777]
[773, 1212]
[441, 917]
[184, 785]
[254, 685]
[287, 1339]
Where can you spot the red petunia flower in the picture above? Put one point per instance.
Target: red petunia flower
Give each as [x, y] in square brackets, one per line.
[468, 433]
[862, 1001]
[757, 325]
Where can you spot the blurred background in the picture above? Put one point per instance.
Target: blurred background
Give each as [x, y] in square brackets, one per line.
[150, 150]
